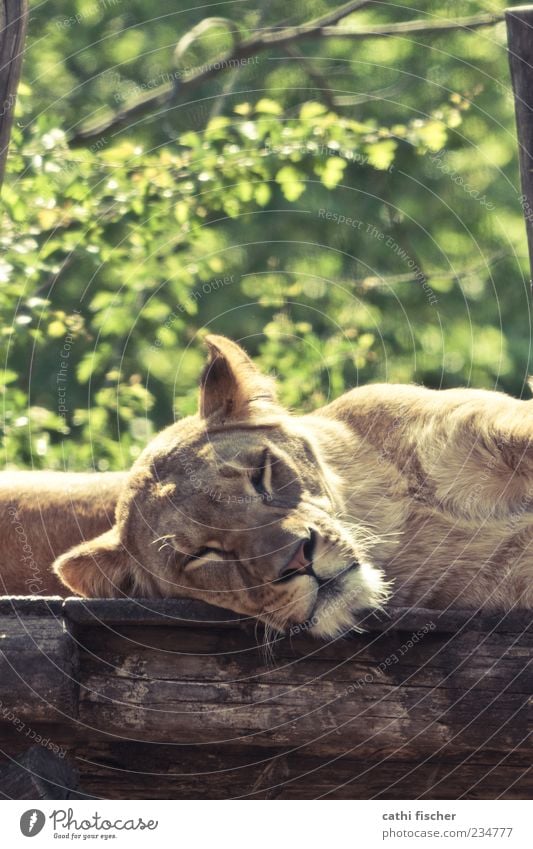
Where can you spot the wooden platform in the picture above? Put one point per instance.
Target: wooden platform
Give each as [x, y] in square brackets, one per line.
[176, 699]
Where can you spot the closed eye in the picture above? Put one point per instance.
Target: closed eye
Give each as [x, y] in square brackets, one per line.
[199, 555]
[262, 476]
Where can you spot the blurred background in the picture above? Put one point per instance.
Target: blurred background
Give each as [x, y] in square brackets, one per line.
[348, 208]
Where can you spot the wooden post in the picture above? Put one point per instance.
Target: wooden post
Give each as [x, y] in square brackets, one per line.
[519, 21]
[39, 774]
[13, 20]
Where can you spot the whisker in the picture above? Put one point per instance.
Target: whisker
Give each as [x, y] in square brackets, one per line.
[164, 537]
[270, 635]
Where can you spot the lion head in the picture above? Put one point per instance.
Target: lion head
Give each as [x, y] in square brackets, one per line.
[237, 506]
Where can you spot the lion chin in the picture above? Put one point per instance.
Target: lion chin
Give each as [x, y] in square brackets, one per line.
[342, 603]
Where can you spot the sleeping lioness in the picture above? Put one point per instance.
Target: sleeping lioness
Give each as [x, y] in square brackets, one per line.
[422, 494]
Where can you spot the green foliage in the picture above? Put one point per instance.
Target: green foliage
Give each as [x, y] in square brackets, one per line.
[344, 237]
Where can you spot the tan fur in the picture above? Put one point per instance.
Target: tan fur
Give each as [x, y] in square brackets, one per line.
[429, 490]
[43, 514]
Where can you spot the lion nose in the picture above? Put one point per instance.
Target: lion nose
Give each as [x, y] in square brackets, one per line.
[301, 561]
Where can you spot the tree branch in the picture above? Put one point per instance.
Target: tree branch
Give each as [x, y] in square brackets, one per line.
[330, 18]
[171, 93]
[378, 281]
[413, 28]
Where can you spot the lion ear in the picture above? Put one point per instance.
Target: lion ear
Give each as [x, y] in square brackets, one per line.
[99, 568]
[232, 387]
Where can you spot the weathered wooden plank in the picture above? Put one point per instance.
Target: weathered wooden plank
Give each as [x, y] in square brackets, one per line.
[126, 770]
[348, 718]
[13, 20]
[446, 692]
[39, 774]
[185, 612]
[146, 771]
[20, 605]
[176, 612]
[38, 663]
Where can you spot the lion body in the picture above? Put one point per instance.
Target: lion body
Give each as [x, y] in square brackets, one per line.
[42, 515]
[424, 494]
[444, 478]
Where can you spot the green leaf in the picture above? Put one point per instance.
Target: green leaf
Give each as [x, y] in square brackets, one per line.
[381, 154]
[311, 110]
[268, 107]
[433, 134]
[291, 182]
[333, 171]
[262, 194]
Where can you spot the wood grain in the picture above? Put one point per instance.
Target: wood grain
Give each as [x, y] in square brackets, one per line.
[39, 774]
[161, 704]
